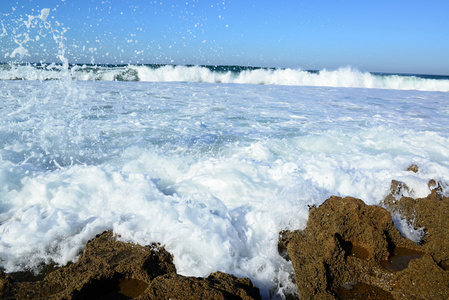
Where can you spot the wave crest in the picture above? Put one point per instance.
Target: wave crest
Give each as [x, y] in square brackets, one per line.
[342, 77]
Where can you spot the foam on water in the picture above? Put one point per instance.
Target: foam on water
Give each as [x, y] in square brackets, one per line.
[343, 77]
[211, 171]
[408, 230]
[212, 162]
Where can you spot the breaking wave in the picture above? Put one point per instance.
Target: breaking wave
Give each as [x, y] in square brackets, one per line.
[343, 77]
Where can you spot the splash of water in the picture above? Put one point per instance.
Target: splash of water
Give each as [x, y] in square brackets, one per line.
[32, 32]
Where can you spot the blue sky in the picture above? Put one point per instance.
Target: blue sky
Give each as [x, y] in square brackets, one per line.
[382, 36]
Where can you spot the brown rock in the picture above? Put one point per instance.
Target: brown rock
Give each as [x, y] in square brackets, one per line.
[430, 213]
[350, 250]
[103, 266]
[423, 279]
[5, 283]
[398, 189]
[111, 269]
[413, 168]
[217, 286]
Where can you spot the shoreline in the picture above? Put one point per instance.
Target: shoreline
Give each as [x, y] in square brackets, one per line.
[351, 249]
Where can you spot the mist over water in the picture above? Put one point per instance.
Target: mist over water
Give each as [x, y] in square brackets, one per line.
[211, 162]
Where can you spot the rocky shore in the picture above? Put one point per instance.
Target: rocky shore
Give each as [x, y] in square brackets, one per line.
[349, 250]
[111, 269]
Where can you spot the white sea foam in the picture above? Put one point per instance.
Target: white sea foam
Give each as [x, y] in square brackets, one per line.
[203, 160]
[408, 230]
[343, 77]
[211, 171]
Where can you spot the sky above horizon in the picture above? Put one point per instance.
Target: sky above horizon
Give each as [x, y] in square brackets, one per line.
[377, 36]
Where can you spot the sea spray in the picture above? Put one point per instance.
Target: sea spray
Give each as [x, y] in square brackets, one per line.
[31, 33]
[185, 156]
[35, 32]
[343, 77]
[211, 171]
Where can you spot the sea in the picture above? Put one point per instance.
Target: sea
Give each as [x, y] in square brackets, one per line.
[212, 162]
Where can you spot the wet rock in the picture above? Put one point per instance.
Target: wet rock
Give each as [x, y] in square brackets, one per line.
[217, 286]
[350, 250]
[105, 261]
[423, 279]
[5, 283]
[413, 168]
[399, 189]
[430, 213]
[111, 269]
[98, 272]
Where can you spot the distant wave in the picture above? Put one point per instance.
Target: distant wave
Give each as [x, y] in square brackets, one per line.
[343, 77]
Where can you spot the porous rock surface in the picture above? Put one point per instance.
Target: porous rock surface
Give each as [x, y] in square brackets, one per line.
[350, 250]
[430, 213]
[111, 269]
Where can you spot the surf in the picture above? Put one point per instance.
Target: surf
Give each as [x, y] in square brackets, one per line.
[342, 77]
